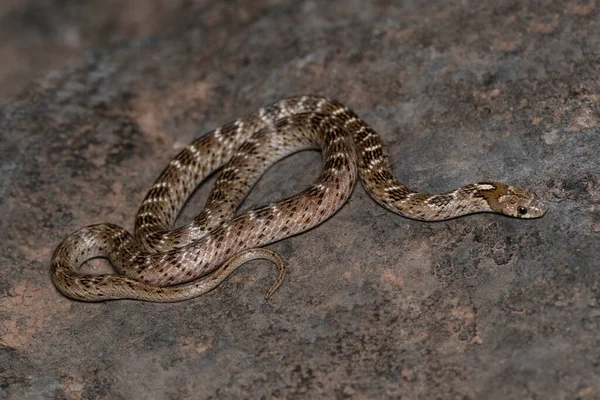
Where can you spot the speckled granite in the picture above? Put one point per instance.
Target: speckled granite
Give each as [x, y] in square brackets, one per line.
[375, 305]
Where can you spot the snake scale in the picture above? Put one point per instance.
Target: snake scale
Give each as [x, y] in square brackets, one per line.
[163, 264]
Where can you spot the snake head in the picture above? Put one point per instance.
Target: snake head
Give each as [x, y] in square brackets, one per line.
[519, 203]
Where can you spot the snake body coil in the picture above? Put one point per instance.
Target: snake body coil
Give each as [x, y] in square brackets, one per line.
[165, 264]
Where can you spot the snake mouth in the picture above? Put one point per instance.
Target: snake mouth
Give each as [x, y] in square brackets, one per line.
[535, 209]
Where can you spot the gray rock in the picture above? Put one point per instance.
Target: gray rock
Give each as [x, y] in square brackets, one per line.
[375, 305]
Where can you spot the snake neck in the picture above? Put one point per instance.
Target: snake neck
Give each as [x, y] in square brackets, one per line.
[409, 203]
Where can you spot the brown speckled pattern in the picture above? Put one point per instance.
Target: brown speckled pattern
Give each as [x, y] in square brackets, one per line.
[165, 264]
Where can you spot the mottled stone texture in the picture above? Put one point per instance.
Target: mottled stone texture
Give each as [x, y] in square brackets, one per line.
[375, 305]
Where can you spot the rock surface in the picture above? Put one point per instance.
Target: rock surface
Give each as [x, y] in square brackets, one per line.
[375, 305]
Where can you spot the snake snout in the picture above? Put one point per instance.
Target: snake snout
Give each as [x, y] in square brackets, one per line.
[537, 208]
[533, 208]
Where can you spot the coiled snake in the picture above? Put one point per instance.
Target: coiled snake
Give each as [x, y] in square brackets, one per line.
[164, 264]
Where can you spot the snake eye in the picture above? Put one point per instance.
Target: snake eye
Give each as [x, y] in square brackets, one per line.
[522, 210]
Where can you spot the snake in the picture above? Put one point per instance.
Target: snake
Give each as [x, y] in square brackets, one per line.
[161, 263]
